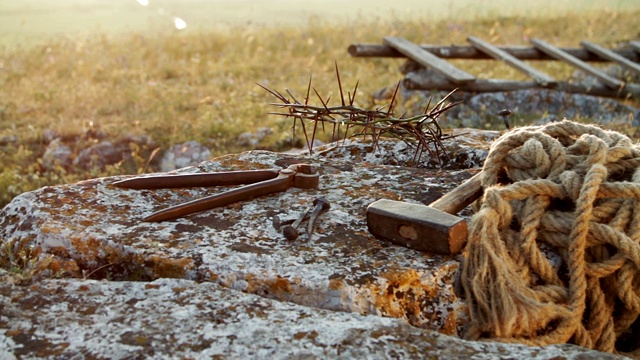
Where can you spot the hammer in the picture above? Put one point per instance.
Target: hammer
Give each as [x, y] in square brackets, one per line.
[433, 228]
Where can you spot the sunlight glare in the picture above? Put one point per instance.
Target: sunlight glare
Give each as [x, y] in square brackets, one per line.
[143, 2]
[180, 24]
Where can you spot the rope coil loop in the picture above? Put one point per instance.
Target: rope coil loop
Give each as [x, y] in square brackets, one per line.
[553, 254]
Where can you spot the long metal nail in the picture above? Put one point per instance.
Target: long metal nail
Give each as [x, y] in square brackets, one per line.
[279, 223]
[291, 231]
[321, 205]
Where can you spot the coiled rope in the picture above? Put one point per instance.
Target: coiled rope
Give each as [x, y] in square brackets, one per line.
[553, 254]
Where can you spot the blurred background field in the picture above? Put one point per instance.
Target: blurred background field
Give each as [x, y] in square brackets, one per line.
[86, 70]
[28, 21]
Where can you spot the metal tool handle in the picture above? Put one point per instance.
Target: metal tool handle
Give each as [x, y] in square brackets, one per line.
[225, 178]
[281, 183]
[460, 197]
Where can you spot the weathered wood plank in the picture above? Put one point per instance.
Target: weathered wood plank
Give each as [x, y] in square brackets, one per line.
[429, 60]
[422, 81]
[635, 45]
[571, 60]
[471, 53]
[538, 76]
[610, 55]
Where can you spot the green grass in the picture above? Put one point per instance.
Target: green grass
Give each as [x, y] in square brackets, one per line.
[200, 84]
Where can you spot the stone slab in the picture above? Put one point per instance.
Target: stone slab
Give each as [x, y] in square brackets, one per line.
[93, 229]
[182, 319]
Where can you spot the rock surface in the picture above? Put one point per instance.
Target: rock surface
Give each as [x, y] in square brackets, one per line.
[183, 155]
[97, 228]
[93, 229]
[173, 318]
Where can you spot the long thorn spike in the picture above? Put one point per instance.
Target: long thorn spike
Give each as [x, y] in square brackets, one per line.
[306, 99]
[339, 83]
[355, 91]
[393, 99]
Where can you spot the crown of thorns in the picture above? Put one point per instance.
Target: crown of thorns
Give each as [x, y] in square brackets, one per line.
[422, 132]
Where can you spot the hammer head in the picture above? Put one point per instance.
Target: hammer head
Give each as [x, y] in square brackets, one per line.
[415, 226]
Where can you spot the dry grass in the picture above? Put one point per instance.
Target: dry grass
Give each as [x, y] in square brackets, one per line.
[202, 85]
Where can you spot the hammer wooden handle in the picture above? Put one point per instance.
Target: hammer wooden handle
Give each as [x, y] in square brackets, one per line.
[460, 197]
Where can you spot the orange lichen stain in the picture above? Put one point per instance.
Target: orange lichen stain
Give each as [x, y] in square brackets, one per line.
[87, 223]
[335, 284]
[100, 209]
[178, 290]
[281, 284]
[304, 334]
[89, 247]
[364, 191]
[88, 193]
[213, 277]
[404, 295]
[13, 332]
[83, 288]
[151, 286]
[280, 287]
[68, 212]
[47, 229]
[58, 266]
[169, 268]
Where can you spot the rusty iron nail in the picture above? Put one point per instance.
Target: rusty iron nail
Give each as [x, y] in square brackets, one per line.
[291, 231]
[279, 223]
[320, 205]
[505, 114]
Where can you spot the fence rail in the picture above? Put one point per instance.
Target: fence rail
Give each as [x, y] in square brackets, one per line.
[435, 58]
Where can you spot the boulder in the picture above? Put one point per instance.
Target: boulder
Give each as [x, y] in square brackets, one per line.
[93, 229]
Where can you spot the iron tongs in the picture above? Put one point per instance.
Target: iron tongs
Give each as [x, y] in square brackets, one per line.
[262, 182]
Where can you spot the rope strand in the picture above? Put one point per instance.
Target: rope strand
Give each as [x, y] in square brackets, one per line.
[553, 254]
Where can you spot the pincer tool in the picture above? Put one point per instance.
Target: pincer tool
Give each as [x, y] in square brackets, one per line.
[260, 183]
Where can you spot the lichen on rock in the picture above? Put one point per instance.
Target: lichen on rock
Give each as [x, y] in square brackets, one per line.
[179, 318]
[93, 227]
[288, 289]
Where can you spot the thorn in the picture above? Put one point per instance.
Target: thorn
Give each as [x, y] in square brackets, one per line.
[322, 101]
[355, 90]
[393, 99]
[293, 97]
[275, 93]
[339, 83]
[306, 99]
[426, 108]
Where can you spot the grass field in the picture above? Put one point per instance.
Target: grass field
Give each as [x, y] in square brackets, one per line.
[122, 68]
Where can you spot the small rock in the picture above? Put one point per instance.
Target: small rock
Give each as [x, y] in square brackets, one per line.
[100, 155]
[6, 140]
[183, 155]
[615, 71]
[57, 154]
[248, 139]
[108, 153]
[50, 135]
